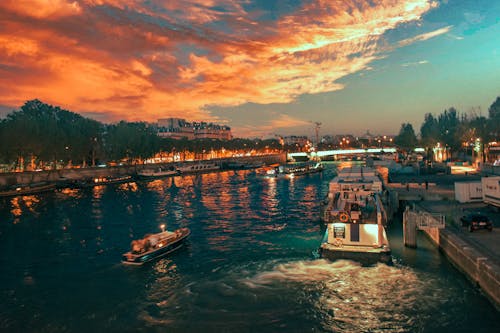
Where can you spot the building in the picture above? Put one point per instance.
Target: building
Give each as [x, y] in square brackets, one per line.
[493, 155]
[177, 128]
[300, 141]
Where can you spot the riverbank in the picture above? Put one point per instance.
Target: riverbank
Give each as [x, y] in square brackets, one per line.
[476, 254]
[64, 175]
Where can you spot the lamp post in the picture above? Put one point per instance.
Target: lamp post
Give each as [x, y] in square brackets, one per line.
[68, 156]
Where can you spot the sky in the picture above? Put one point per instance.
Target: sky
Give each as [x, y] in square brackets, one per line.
[262, 67]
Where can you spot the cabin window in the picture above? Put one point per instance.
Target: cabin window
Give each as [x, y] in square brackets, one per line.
[339, 231]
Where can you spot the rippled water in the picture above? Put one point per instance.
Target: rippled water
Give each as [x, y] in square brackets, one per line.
[248, 266]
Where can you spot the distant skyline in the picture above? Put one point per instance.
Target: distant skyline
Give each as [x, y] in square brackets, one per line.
[260, 67]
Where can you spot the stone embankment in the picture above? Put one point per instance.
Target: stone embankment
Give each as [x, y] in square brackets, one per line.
[14, 178]
[477, 259]
[480, 268]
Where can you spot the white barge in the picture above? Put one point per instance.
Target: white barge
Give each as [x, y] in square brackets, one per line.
[355, 218]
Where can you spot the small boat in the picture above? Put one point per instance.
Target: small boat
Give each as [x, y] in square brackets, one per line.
[170, 171]
[154, 246]
[24, 189]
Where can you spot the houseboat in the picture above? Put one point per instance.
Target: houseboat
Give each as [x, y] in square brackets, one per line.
[158, 173]
[197, 167]
[155, 246]
[355, 218]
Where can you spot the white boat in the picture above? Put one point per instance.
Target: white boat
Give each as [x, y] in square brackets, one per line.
[292, 170]
[155, 246]
[197, 167]
[159, 172]
[355, 218]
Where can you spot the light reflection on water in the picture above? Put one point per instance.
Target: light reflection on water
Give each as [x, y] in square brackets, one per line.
[248, 265]
[341, 297]
[352, 298]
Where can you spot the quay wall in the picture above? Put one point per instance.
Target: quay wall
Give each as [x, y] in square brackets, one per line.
[13, 178]
[433, 234]
[477, 267]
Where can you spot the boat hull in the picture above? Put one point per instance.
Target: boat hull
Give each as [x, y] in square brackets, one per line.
[157, 175]
[141, 260]
[363, 255]
[28, 190]
[102, 181]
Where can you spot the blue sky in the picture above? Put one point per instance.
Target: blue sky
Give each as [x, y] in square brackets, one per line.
[460, 68]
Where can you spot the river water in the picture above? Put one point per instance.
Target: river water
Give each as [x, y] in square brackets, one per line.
[249, 265]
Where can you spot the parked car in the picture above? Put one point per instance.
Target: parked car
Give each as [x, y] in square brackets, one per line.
[475, 221]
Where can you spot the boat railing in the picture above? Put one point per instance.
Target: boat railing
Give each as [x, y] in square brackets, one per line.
[327, 211]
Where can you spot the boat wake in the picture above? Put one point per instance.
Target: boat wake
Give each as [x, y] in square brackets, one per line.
[354, 298]
[340, 296]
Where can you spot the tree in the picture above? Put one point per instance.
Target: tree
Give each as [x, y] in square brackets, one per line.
[42, 132]
[479, 127]
[406, 139]
[494, 115]
[131, 141]
[448, 124]
[429, 131]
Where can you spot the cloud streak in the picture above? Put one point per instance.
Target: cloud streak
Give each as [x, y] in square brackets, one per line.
[425, 36]
[146, 60]
[411, 64]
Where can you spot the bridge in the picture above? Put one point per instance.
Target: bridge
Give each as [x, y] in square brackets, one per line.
[323, 153]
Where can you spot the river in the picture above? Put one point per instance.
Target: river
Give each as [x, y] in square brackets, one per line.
[249, 265]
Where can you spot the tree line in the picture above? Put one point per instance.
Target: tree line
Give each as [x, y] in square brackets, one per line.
[453, 130]
[41, 134]
[44, 135]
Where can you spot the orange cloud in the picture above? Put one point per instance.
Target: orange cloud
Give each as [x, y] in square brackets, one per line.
[137, 61]
[46, 9]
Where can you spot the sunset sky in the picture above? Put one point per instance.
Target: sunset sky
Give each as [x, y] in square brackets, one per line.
[262, 67]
